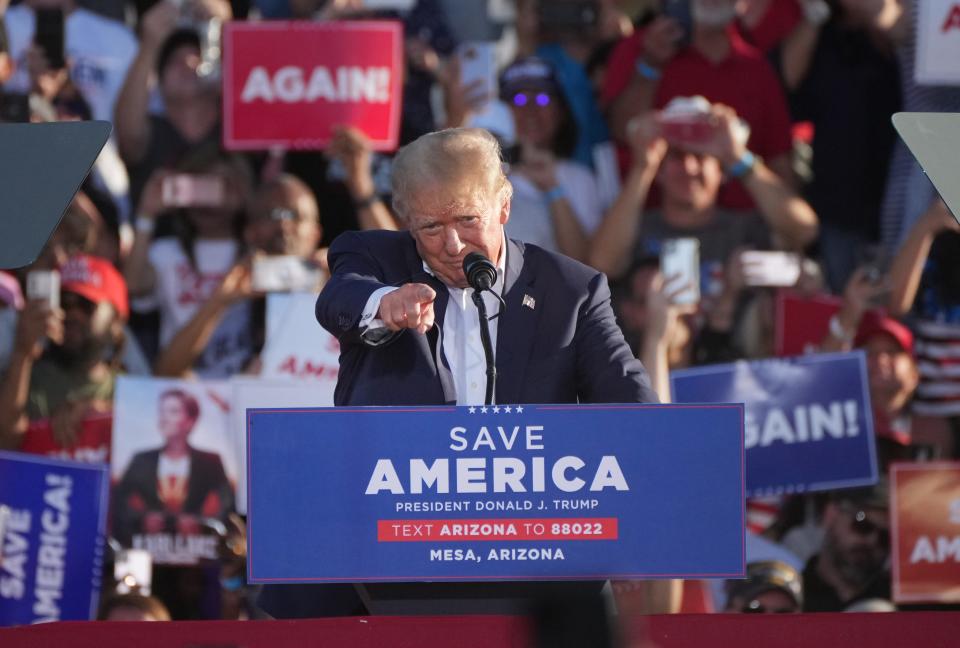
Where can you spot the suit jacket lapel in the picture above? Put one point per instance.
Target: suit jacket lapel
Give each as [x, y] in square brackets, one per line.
[434, 337]
[516, 325]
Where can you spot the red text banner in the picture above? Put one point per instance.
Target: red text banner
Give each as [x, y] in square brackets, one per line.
[290, 84]
[926, 532]
[497, 529]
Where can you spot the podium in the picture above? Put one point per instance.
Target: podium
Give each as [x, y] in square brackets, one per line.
[451, 510]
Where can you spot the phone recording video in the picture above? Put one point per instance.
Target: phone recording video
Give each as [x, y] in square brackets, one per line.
[680, 263]
[49, 37]
[186, 190]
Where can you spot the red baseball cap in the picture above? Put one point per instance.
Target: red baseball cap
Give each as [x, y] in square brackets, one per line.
[96, 279]
[875, 322]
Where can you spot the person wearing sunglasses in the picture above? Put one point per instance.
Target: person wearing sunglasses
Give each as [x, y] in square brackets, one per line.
[853, 561]
[556, 201]
[771, 587]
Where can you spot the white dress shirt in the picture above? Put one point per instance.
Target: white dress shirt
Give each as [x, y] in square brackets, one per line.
[460, 336]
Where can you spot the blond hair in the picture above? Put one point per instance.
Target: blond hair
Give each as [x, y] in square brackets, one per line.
[447, 157]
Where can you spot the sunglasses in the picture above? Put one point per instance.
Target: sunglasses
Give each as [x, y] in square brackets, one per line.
[524, 98]
[756, 607]
[864, 528]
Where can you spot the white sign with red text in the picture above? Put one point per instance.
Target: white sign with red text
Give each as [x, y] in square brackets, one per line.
[297, 347]
[938, 42]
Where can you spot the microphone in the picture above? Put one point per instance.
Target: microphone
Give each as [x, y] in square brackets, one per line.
[480, 272]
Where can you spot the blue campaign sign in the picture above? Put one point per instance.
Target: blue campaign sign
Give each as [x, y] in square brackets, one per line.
[808, 421]
[495, 493]
[53, 522]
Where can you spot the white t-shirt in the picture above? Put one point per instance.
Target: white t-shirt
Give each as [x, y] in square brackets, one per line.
[530, 219]
[180, 290]
[99, 51]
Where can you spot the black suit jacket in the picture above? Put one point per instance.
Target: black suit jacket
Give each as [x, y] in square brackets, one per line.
[140, 479]
[557, 339]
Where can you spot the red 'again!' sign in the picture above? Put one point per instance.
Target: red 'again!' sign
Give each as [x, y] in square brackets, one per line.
[288, 84]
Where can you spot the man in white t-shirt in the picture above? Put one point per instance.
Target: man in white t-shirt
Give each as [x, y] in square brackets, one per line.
[98, 51]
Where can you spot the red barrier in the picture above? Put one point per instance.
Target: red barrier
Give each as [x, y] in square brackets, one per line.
[928, 629]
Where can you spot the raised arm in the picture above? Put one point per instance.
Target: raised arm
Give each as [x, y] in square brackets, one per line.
[130, 116]
[791, 219]
[908, 265]
[614, 239]
[36, 321]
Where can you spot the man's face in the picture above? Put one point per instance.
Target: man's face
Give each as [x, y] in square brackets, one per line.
[173, 420]
[284, 225]
[180, 80]
[448, 223]
[86, 328]
[857, 541]
[690, 180]
[892, 373]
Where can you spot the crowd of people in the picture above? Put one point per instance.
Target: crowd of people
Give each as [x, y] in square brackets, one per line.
[746, 125]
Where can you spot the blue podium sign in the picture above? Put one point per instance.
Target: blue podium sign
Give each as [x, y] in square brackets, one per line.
[52, 528]
[532, 492]
[808, 420]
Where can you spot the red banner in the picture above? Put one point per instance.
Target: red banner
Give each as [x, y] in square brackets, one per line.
[925, 525]
[92, 443]
[288, 84]
[802, 323]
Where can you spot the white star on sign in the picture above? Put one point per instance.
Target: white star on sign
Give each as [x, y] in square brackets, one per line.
[496, 410]
[472, 410]
[483, 410]
[519, 409]
[507, 409]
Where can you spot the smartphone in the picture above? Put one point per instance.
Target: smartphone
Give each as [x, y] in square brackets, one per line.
[133, 571]
[14, 108]
[680, 263]
[388, 5]
[185, 190]
[478, 64]
[567, 14]
[49, 36]
[284, 273]
[686, 129]
[770, 269]
[681, 12]
[44, 285]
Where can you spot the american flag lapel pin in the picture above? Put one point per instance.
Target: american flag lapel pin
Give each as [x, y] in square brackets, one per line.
[529, 302]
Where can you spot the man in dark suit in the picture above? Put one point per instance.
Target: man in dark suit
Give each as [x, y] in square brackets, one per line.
[408, 330]
[557, 340]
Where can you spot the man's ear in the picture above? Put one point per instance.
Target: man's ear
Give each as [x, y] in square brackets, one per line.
[505, 209]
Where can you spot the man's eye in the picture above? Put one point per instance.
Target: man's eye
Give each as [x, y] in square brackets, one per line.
[431, 229]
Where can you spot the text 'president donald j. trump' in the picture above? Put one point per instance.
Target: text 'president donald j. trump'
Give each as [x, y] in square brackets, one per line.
[401, 307]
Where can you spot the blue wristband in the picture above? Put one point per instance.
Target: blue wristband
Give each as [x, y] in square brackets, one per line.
[554, 194]
[647, 71]
[743, 166]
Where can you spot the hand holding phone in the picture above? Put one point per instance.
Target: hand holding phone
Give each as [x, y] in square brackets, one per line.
[770, 269]
[478, 70]
[49, 36]
[680, 264]
[44, 285]
[185, 190]
[284, 273]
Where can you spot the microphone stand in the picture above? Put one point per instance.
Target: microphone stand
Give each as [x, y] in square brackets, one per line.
[487, 346]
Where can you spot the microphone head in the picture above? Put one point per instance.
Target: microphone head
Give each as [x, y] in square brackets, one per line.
[480, 272]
